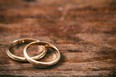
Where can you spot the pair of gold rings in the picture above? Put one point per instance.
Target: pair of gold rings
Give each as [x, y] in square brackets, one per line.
[34, 60]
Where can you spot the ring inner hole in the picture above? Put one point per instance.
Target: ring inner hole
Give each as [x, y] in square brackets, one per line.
[34, 49]
[17, 49]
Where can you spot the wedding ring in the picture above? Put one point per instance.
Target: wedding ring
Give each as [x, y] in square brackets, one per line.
[39, 63]
[23, 41]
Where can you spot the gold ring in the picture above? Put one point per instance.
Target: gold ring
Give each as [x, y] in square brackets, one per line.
[22, 41]
[38, 63]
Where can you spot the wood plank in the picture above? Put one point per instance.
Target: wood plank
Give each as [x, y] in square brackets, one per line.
[85, 36]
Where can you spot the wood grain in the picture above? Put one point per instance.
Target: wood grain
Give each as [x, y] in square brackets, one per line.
[85, 36]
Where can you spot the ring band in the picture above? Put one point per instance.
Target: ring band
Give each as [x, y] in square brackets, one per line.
[38, 63]
[22, 41]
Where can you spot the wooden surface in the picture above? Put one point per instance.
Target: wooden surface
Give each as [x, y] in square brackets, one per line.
[85, 36]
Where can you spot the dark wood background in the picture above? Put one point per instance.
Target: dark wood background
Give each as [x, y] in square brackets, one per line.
[83, 30]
